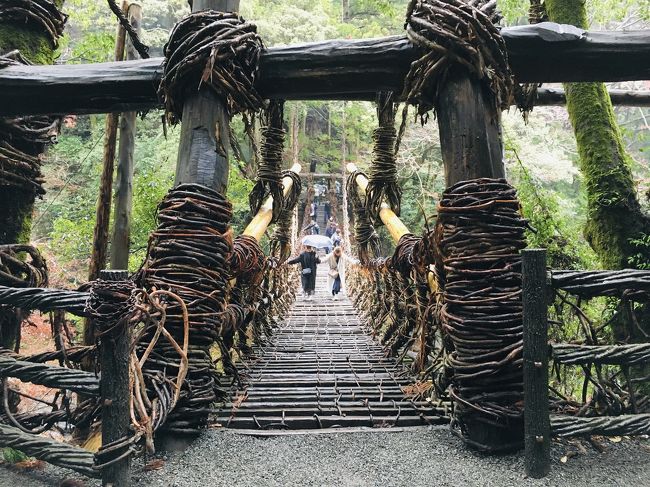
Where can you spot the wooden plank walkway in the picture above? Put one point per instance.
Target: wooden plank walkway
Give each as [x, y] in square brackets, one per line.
[322, 370]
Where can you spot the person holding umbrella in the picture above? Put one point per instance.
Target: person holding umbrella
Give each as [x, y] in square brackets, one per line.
[308, 261]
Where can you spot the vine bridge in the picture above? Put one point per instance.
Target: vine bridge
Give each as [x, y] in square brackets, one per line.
[450, 326]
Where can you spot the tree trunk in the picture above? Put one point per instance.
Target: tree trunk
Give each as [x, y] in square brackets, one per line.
[614, 218]
[124, 177]
[614, 213]
[103, 211]
[203, 151]
[17, 204]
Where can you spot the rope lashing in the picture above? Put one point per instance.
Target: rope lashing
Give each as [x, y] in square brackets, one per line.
[364, 232]
[18, 271]
[382, 180]
[537, 12]
[189, 256]
[42, 14]
[280, 244]
[455, 33]
[247, 261]
[22, 140]
[111, 304]
[269, 170]
[525, 95]
[139, 46]
[479, 234]
[213, 49]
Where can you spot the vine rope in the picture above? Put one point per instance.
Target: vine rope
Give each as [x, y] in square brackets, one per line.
[478, 235]
[455, 33]
[213, 49]
[382, 179]
[364, 233]
[269, 170]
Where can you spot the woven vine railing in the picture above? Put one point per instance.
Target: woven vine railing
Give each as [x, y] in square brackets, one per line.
[597, 322]
[448, 305]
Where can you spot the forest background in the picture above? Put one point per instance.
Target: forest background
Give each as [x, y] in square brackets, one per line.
[541, 155]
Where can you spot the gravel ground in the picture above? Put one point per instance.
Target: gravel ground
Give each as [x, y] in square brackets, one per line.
[417, 457]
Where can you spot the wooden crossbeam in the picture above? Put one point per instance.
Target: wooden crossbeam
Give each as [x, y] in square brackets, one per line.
[335, 69]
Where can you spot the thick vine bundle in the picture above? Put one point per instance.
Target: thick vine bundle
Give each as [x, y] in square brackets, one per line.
[280, 245]
[214, 49]
[189, 254]
[269, 170]
[479, 234]
[382, 178]
[364, 232]
[455, 33]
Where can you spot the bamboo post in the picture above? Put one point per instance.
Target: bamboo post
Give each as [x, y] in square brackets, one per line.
[205, 133]
[261, 221]
[537, 427]
[124, 176]
[115, 392]
[394, 225]
[103, 213]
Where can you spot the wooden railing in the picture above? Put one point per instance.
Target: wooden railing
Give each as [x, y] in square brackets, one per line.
[540, 425]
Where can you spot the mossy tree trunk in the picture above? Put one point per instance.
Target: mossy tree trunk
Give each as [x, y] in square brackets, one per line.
[615, 218]
[17, 205]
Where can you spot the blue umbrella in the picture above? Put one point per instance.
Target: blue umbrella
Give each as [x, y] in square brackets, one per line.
[318, 241]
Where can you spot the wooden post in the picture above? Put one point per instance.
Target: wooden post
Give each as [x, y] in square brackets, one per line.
[470, 130]
[124, 177]
[537, 425]
[115, 392]
[205, 129]
[103, 214]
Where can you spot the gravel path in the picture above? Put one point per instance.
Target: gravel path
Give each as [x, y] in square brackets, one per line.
[414, 457]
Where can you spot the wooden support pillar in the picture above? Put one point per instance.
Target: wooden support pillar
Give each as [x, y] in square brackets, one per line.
[470, 130]
[115, 392]
[537, 426]
[103, 213]
[205, 128]
[124, 177]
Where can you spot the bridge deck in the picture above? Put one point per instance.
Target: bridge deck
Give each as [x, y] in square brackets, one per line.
[322, 370]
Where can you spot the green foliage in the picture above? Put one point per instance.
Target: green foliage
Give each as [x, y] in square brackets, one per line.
[551, 192]
[10, 455]
[639, 259]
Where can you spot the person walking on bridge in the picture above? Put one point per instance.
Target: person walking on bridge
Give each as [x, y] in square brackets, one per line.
[308, 261]
[336, 273]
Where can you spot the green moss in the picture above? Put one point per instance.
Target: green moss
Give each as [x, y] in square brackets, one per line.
[16, 217]
[572, 12]
[33, 45]
[614, 214]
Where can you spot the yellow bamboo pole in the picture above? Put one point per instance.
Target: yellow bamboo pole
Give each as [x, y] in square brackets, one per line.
[394, 225]
[261, 221]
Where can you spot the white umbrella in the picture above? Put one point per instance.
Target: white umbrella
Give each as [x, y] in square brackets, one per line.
[318, 241]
